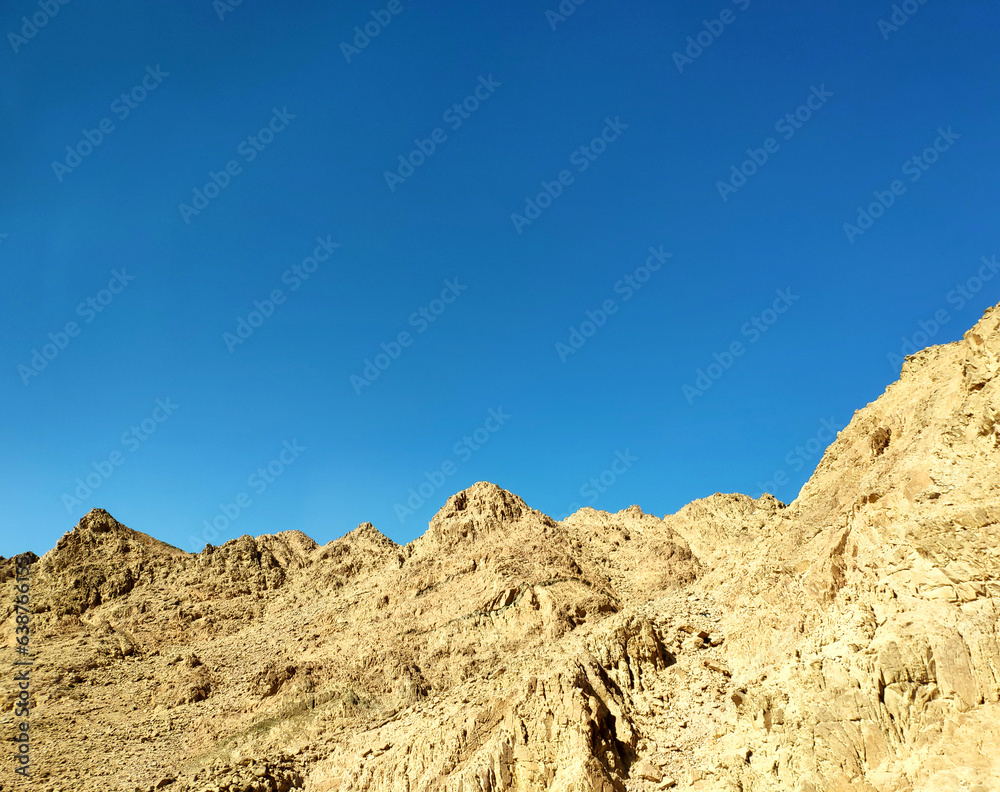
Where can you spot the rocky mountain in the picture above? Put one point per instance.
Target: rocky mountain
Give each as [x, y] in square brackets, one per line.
[846, 641]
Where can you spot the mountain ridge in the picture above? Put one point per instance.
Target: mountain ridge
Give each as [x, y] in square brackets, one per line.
[847, 640]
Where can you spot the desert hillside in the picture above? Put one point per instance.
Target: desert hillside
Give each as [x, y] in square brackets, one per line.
[846, 641]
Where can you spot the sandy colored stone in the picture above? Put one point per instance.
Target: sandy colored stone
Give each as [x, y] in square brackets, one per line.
[846, 641]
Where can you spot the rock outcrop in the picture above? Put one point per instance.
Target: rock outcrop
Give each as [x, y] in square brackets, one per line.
[847, 640]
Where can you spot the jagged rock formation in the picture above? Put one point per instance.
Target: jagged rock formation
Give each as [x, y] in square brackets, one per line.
[848, 640]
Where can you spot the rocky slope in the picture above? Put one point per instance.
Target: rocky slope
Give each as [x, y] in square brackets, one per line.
[848, 640]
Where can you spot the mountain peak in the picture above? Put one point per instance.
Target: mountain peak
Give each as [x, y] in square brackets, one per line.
[483, 502]
[368, 536]
[480, 508]
[98, 521]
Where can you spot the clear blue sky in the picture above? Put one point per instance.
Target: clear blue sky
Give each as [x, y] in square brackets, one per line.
[117, 116]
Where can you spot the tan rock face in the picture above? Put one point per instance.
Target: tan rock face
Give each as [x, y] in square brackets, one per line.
[848, 640]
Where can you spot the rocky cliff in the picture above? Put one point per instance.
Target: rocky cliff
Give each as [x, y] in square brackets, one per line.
[848, 640]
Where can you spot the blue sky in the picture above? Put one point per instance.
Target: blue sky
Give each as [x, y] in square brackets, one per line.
[270, 271]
